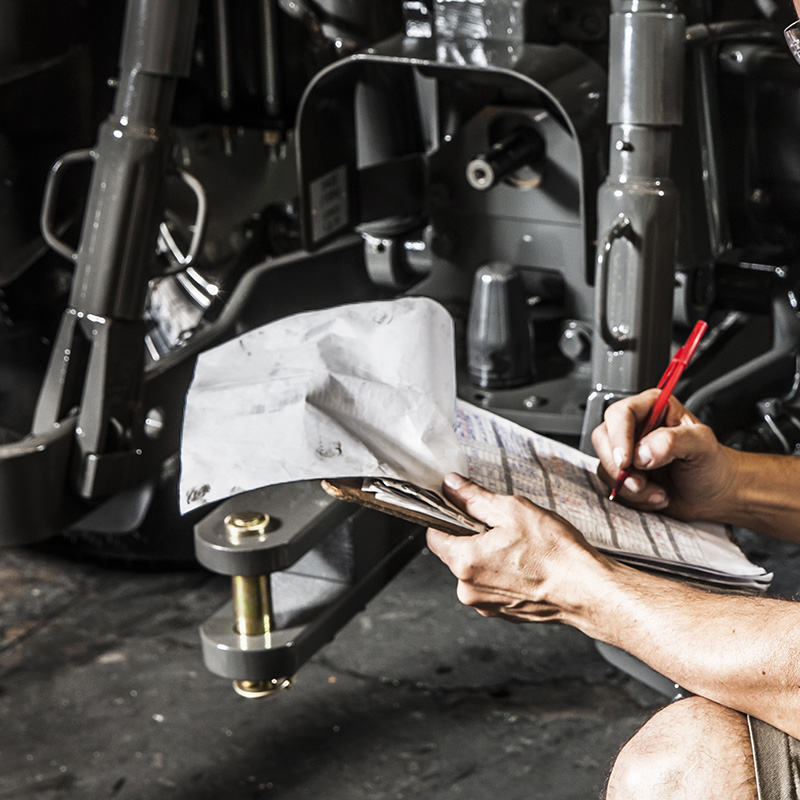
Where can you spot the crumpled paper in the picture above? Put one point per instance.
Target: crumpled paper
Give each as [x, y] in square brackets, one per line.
[366, 389]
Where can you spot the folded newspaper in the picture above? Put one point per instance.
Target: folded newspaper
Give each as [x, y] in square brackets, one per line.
[368, 391]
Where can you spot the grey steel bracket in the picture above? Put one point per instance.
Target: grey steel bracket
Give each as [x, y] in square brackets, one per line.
[329, 603]
[319, 559]
[301, 515]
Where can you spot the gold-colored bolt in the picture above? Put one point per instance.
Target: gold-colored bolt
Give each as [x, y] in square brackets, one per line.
[252, 600]
[252, 604]
[254, 689]
[245, 524]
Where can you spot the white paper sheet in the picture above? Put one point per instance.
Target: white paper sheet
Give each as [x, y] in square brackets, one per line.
[366, 389]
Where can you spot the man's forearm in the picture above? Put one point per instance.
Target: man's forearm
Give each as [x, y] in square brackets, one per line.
[767, 494]
[742, 652]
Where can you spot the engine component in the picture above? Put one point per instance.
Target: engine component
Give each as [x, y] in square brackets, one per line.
[523, 147]
[498, 331]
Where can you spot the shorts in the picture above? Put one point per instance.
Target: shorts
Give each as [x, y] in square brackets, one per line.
[777, 762]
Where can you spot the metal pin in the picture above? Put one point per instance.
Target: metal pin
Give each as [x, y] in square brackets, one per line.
[252, 600]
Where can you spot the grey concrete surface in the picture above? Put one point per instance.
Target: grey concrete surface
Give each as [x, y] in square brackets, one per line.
[103, 693]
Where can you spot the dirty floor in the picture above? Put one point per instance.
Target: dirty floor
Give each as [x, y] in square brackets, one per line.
[103, 694]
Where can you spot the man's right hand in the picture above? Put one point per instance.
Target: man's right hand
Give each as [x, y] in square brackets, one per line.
[680, 468]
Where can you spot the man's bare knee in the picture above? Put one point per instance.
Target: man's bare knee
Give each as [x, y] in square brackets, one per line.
[691, 749]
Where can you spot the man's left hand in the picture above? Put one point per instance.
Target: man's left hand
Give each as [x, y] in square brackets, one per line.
[530, 566]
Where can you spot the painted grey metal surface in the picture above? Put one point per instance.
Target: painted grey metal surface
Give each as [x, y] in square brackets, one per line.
[637, 206]
[538, 215]
[309, 611]
[301, 515]
[36, 499]
[499, 341]
[97, 360]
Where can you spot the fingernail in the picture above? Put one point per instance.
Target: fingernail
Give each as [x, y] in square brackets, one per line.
[644, 454]
[632, 484]
[658, 499]
[454, 481]
[619, 456]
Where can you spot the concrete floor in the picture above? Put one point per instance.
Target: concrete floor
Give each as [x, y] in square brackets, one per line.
[103, 693]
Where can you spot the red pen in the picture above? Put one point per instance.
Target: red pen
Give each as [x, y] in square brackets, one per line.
[667, 384]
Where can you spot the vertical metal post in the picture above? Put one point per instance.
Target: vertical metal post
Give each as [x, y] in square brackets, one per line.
[719, 233]
[269, 35]
[224, 55]
[97, 359]
[637, 204]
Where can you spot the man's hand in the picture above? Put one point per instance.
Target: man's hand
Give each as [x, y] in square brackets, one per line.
[679, 468]
[531, 565]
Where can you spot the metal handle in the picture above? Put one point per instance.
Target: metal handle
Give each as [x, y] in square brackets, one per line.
[622, 228]
[50, 196]
[165, 239]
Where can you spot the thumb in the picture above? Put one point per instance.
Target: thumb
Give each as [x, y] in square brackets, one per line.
[470, 497]
[440, 544]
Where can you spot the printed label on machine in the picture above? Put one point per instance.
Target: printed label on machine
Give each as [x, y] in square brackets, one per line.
[329, 201]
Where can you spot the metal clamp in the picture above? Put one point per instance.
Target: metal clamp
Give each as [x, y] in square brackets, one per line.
[622, 228]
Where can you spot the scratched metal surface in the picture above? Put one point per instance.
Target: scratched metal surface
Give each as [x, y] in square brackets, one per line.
[103, 694]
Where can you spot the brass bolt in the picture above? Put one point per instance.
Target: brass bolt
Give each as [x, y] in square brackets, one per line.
[253, 689]
[246, 523]
[252, 599]
[252, 604]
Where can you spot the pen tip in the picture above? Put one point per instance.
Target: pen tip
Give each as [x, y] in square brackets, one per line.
[612, 495]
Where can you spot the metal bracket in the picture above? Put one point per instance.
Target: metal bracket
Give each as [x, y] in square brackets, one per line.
[323, 560]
